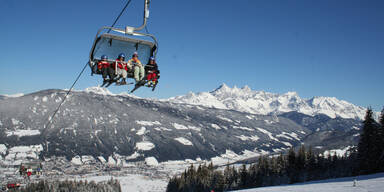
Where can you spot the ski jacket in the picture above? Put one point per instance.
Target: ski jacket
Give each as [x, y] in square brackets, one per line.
[151, 68]
[103, 64]
[121, 65]
[132, 62]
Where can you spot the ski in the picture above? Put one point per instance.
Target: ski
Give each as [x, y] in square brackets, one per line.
[138, 85]
[109, 83]
[119, 84]
[154, 86]
[104, 83]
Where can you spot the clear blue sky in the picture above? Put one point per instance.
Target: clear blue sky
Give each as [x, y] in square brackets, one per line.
[316, 48]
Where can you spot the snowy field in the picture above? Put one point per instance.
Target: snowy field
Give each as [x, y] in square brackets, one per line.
[368, 183]
[138, 183]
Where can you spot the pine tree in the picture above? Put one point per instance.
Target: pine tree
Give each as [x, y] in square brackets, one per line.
[291, 168]
[311, 165]
[368, 147]
[243, 177]
[381, 140]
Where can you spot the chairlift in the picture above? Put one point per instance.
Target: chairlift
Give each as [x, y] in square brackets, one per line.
[126, 41]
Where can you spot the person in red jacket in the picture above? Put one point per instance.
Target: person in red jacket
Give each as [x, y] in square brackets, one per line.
[121, 68]
[106, 70]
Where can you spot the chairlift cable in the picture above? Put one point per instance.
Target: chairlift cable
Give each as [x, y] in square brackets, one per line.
[65, 97]
[69, 91]
[118, 17]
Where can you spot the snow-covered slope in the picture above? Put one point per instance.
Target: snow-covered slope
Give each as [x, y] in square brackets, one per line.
[374, 183]
[260, 102]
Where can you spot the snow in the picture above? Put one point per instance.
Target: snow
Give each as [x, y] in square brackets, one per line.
[264, 103]
[76, 160]
[356, 128]
[245, 138]
[373, 183]
[22, 152]
[230, 157]
[179, 126]
[183, 127]
[133, 156]
[21, 133]
[148, 123]
[87, 158]
[283, 136]
[145, 146]
[3, 149]
[45, 99]
[215, 126]
[111, 161]
[183, 141]
[243, 128]
[286, 143]
[162, 129]
[102, 159]
[15, 121]
[14, 95]
[151, 161]
[225, 119]
[267, 133]
[141, 131]
[288, 135]
[194, 128]
[338, 152]
[134, 182]
[98, 90]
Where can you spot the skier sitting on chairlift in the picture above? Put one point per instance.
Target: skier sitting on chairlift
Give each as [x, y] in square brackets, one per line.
[138, 72]
[152, 72]
[106, 70]
[121, 68]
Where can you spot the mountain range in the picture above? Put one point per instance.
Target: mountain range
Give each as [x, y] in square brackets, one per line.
[264, 103]
[225, 124]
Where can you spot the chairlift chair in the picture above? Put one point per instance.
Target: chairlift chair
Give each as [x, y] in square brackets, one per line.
[126, 41]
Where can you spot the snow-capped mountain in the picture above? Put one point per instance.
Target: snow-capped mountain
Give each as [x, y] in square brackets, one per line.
[263, 103]
[117, 128]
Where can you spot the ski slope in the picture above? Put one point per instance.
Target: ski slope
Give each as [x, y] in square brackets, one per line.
[371, 183]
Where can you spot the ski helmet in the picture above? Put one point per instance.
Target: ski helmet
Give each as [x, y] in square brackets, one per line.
[122, 55]
[151, 58]
[104, 57]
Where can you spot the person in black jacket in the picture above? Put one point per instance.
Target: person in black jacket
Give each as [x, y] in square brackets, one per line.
[152, 72]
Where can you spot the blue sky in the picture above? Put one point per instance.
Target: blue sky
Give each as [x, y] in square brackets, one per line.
[316, 48]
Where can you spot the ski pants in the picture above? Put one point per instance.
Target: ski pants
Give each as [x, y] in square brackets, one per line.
[107, 71]
[122, 73]
[152, 76]
[138, 73]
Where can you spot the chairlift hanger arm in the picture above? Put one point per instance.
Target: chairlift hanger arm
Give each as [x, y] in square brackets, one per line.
[146, 15]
